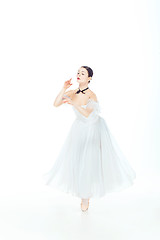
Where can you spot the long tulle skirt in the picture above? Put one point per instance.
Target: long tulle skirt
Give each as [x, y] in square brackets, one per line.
[90, 163]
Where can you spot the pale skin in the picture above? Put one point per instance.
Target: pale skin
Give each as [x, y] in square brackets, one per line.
[77, 100]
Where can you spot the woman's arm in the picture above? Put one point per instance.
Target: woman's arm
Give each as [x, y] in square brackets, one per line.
[58, 101]
[85, 112]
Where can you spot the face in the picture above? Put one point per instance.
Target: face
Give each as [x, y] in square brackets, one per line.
[82, 76]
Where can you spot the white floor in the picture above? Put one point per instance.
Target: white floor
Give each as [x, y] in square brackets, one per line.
[45, 214]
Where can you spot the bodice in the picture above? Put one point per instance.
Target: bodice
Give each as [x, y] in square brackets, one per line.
[93, 116]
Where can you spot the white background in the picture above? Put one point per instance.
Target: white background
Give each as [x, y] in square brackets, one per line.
[42, 44]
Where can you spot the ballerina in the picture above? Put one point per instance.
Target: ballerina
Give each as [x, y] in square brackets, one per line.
[90, 163]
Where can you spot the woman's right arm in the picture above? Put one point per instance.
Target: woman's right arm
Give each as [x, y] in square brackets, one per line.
[58, 101]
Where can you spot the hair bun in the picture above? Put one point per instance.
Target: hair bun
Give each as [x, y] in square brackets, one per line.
[89, 70]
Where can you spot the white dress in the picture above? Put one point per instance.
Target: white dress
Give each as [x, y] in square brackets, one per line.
[90, 163]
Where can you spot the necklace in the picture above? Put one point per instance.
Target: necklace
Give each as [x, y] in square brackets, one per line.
[82, 90]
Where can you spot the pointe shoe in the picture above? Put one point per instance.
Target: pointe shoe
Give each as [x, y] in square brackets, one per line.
[84, 205]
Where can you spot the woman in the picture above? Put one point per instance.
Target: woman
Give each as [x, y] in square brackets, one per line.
[90, 163]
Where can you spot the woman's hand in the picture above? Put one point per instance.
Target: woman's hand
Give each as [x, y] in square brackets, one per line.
[67, 83]
[67, 100]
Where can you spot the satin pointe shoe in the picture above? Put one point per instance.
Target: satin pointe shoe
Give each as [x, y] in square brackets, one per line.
[84, 204]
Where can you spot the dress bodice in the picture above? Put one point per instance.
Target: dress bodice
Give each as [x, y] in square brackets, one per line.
[93, 116]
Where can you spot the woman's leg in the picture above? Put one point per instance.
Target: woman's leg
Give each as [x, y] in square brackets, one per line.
[85, 204]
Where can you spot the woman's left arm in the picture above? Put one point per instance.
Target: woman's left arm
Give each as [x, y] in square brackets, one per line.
[85, 112]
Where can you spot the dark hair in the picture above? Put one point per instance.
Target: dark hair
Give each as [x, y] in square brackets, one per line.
[89, 70]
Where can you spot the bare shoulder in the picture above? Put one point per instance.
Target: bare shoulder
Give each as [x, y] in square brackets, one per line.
[93, 96]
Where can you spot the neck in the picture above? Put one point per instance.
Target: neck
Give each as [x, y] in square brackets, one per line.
[83, 86]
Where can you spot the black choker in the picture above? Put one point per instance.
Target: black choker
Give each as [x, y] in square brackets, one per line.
[82, 90]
